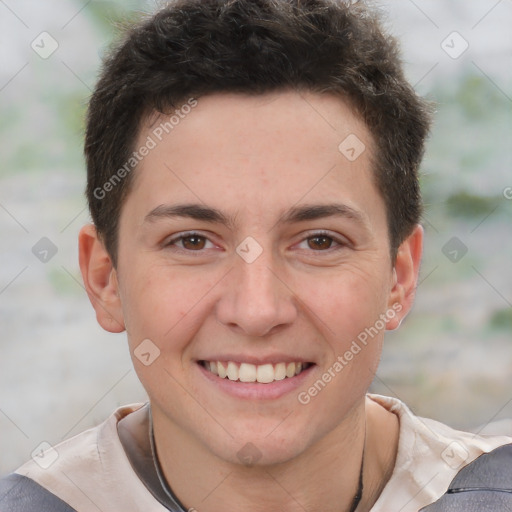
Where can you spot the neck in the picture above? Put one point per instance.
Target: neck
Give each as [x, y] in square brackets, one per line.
[325, 476]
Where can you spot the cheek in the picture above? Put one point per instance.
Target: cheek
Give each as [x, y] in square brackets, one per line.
[163, 311]
[346, 303]
[348, 313]
[163, 304]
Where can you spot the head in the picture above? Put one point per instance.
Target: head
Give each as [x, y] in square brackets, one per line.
[253, 183]
[192, 49]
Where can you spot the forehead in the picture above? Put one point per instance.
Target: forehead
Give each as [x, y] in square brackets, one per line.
[261, 154]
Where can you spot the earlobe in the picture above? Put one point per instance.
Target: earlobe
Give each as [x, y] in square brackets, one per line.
[100, 280]
[405, 277]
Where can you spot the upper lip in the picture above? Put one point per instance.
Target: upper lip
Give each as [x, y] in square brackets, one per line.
[256, 360]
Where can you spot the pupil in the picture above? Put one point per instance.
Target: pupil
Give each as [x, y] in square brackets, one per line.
[320, 242]
[194, 242]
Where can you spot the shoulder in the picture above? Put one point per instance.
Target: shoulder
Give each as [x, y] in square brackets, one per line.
[484, 484]
[21, 494]
[86, 472]
[430, 455]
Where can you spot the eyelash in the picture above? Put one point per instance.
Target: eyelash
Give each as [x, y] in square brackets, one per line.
[339, 243]
[182, 236]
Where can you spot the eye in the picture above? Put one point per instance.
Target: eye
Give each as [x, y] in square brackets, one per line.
[191, 242]
[321, 242]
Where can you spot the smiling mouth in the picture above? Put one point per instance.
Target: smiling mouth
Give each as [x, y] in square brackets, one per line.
[263, 373]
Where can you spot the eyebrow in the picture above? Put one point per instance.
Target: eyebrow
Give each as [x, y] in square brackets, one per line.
[191, 211]
[313, 212]
[293, 215]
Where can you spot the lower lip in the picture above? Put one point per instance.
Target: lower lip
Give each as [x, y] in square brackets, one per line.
[256, 390]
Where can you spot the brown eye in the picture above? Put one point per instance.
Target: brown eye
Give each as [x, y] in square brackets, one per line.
[193, 242]
[320, 242]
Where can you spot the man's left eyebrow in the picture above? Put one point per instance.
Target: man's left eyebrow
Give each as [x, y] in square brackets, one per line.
[191, 211]
[314, 212]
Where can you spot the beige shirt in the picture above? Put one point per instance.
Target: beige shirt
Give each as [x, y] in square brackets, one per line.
[92, 473]
[429, 456]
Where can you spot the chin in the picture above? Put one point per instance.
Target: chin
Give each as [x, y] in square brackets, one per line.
[252, 448]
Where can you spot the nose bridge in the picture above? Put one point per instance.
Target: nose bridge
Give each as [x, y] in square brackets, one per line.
[257, 280]
[257, 301]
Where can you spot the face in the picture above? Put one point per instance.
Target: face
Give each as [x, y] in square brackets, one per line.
[251, 245]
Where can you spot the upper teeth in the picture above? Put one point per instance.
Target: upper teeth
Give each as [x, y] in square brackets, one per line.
[245, 372]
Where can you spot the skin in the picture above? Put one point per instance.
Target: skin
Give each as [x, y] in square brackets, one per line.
[318, 283]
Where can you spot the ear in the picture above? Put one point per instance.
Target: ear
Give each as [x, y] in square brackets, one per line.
[405, 278]
[100, 279]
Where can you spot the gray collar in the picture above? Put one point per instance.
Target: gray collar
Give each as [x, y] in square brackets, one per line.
[136, 435]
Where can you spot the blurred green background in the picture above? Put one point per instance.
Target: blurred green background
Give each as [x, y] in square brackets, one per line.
[452, 357]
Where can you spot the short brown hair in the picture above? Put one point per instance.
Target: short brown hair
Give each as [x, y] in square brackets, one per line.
[191, 48]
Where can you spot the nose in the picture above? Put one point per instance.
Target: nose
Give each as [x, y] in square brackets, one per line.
[256, 300]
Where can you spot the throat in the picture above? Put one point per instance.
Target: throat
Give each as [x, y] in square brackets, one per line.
[311, 479]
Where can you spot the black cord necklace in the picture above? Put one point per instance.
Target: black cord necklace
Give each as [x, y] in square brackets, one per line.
[359, 493]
